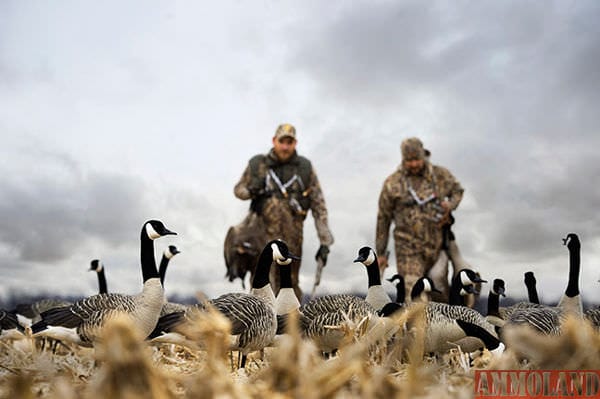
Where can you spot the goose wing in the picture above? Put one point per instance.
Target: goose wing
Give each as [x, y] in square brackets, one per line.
[545, 320]
[242, 310]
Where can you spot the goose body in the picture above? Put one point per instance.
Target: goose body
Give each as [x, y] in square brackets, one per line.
[252, 316]
[321, 319]
[83, 321]
[29, 313]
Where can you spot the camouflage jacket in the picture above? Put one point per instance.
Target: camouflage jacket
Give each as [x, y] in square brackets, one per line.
[416, 226]
[284, 213]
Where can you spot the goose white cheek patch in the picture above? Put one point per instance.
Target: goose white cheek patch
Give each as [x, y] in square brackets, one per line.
[150, 232]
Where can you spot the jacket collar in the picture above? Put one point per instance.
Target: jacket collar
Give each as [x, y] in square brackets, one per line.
[272, 159]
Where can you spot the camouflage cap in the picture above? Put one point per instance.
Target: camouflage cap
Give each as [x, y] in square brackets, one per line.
[285, 130]
[412, 148]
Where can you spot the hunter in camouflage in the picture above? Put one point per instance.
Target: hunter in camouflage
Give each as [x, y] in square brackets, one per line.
[283, 187]
[418, 197]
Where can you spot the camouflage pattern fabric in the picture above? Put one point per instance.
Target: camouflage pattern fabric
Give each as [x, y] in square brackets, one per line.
[417, 232]
[282, 217]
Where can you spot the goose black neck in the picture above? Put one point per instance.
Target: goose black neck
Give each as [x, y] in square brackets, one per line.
[417, 290]
[574, 265]
[102, 282]
[400, 292]
[263, 267]
[285, 276]
[147, 258]
[532, 293]
[162, 271]
[493, 305]
[454, 297]
[373, 273]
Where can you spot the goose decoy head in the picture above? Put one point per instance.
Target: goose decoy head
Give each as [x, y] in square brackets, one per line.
[281, 252]
[366, 256]
[155, 228]
[468, 276]
[171, 251]
[395, 277]
[429, 286]
[498, 287]
[95, 265]
[423, 284]
[572, 241]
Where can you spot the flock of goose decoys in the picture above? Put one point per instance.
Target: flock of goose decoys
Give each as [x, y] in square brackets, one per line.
[259, 317]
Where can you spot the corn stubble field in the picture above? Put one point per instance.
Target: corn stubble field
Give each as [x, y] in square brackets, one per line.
[123, 365]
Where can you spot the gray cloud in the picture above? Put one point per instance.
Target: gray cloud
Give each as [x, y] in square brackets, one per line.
[156, 117]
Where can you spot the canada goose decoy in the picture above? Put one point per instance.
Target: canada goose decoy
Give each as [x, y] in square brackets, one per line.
[98, 267]
[252, 316]
[497, 315]
[445, 323]
[164, 261]
[376, 295]
[83, 321]
[464, 281]
[548, 319]
[322, 318]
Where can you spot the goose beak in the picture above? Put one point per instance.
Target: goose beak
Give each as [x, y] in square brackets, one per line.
[293, 257]
[360, 259]
[479, 280]
[169, 232]
[501, 291]
[436, 290]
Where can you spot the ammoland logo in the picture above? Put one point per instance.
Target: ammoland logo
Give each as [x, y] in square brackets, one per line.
[556, 384]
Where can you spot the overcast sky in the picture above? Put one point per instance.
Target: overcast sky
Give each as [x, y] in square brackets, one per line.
[113, 113]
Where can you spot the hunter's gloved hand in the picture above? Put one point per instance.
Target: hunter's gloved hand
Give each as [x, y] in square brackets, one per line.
[322, 254]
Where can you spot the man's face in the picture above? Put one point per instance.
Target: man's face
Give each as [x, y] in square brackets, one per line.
[284, 148]
[413, 166]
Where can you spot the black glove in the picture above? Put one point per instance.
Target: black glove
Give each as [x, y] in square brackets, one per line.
[322, 254]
